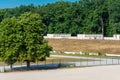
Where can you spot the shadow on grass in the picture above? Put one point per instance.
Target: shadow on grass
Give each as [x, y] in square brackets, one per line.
[41, 67]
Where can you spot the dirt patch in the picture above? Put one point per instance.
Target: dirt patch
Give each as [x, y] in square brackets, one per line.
[102, 46]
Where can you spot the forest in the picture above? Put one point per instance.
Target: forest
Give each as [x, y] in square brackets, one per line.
[80, 17]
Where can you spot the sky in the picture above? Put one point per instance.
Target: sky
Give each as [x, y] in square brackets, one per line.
[16, 3]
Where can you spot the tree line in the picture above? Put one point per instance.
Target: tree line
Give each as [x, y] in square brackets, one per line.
[80, 17]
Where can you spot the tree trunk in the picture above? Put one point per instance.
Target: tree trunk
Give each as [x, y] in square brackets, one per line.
[102, 25]
[28, 64]
[4, 66]
[11, 67]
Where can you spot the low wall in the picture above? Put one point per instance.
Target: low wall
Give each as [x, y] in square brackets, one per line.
[113, 55]
[83, 36]
[116, 36]
[58, 36]
[83, 53]
[109, 38]
[90, 36]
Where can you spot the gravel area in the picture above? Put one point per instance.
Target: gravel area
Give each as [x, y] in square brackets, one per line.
[87, 73]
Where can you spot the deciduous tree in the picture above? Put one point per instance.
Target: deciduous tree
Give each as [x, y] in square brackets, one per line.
[21, 39]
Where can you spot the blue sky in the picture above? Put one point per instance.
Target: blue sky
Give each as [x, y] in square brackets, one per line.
[15, 3]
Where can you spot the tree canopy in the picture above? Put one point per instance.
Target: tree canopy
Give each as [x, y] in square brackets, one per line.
[21, 39]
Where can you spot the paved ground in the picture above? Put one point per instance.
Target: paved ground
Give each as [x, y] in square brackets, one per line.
[88, 73]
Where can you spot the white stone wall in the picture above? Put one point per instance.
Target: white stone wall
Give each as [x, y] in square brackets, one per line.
[90, 36]
[83, 36]
[58, 36]
[116, 36]
[118, 55]
[109, 38]
[72, 38]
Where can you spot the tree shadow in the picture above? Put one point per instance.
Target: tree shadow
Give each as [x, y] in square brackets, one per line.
[40, 67]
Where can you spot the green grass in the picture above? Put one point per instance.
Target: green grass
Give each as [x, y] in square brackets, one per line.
[101, 56]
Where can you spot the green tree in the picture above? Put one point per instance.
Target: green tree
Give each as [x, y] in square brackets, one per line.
[22, 39]
[1, 15]
[9, 40]
[114, 17]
